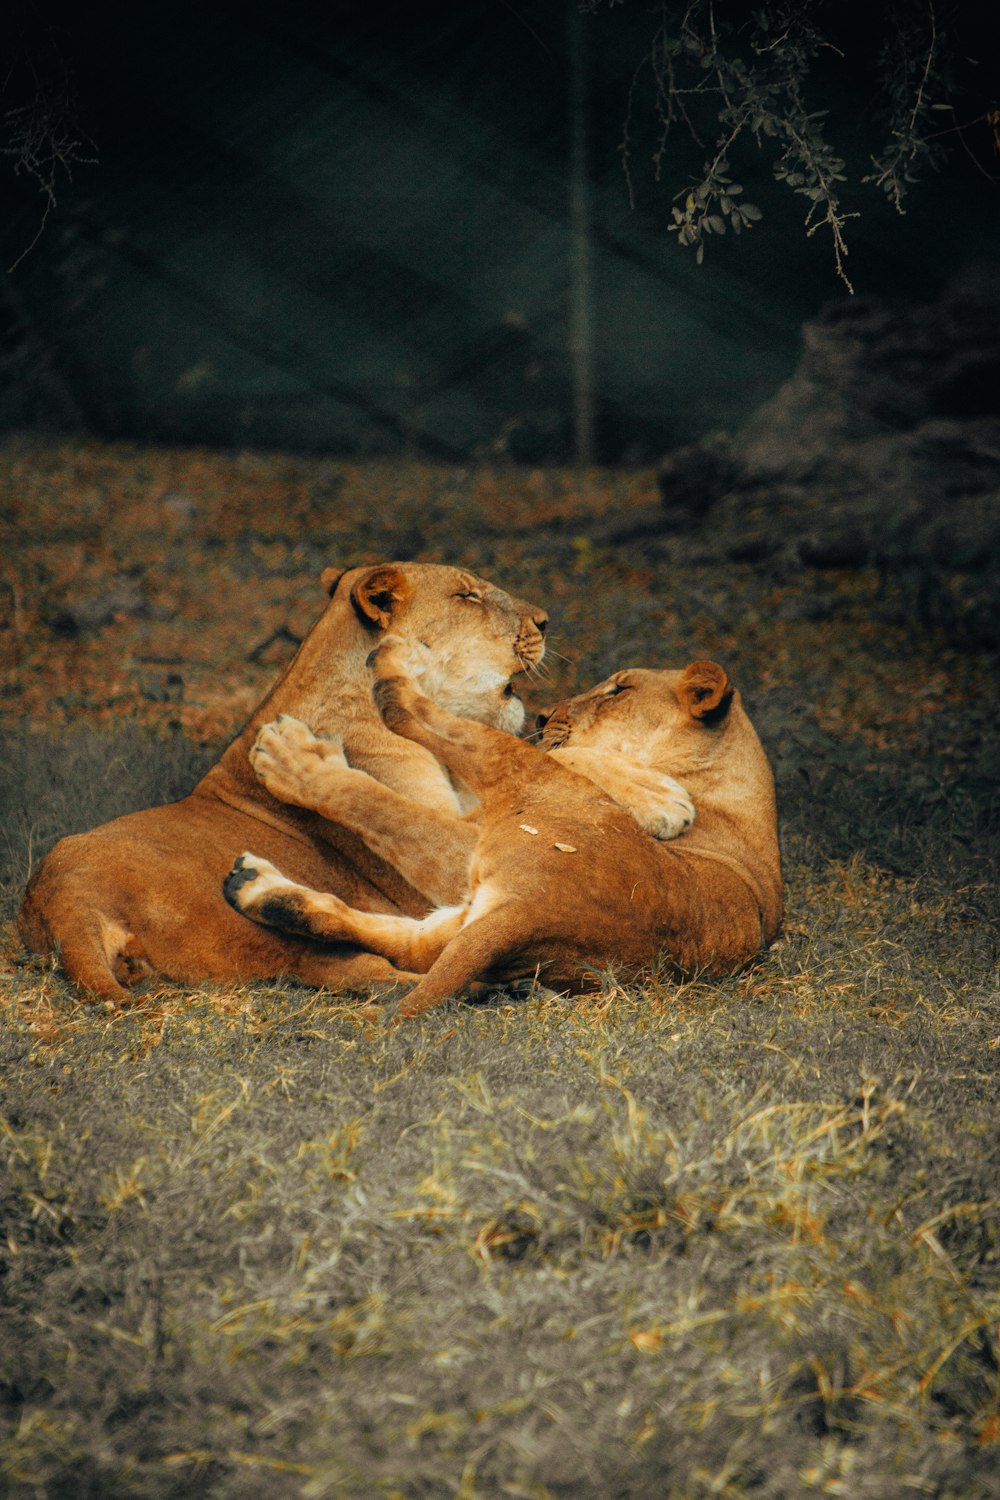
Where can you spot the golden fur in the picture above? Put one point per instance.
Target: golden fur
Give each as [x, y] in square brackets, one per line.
[563, 878]
[143, 894]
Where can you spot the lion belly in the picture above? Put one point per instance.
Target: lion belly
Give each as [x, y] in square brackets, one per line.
[587, 892]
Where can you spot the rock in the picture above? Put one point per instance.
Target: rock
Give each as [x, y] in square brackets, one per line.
[85, 615]
[883, 446]
[870, 371]
[691, 479]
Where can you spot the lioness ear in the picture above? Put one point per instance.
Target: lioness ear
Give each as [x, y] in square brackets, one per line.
[706, 692]
[330, 577]
[378, 595]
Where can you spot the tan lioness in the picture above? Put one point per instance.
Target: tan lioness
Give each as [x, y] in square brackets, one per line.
[142, 895]
[563, 879]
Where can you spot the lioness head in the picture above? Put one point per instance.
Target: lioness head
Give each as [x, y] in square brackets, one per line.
[676, 721]
[469, 640]
[690, 725]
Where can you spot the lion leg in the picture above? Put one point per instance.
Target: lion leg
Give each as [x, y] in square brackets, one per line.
[481, 943]
[256, 889]
[98, 953]
[429, 847]
[101, 967]
[346, 973]
[478, 754]
[658, 803]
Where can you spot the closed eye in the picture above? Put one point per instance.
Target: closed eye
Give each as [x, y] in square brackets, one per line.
[469, 594]
[615, 689]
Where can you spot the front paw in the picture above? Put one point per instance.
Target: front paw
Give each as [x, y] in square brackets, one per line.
[668, 811]
[396, 657]
[288, 759]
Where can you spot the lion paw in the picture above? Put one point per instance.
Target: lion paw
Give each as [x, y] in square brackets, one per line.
[258, 890]
[293, 763]
[396, 657]
[666, 812]
[250, 882]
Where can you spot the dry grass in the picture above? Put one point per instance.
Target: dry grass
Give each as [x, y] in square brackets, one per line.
[737, 1239]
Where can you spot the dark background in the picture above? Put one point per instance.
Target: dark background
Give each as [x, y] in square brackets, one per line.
[344, 228]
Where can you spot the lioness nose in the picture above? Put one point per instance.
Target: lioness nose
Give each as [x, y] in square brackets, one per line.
[540, 620]
[542, 719]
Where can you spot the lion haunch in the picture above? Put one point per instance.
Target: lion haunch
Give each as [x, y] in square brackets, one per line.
[143, 896]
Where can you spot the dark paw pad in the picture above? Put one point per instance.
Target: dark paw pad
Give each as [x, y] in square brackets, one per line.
[240, 875]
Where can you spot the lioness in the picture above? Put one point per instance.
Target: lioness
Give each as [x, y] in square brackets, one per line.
[143, 894]
[563, 878]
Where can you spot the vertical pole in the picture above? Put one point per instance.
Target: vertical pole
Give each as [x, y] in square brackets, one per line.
[581, 333]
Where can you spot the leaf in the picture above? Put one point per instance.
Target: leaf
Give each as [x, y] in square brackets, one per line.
[717, 222]
[646, 1340]
[565, 848]
[750, 211]
[527, 828]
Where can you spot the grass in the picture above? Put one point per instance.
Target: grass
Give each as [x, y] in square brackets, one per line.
[738, 1238]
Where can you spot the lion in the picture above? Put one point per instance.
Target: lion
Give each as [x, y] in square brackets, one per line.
[564, 876]
[142, 895]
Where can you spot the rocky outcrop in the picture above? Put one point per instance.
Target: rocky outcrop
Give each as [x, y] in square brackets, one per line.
[883, 446]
